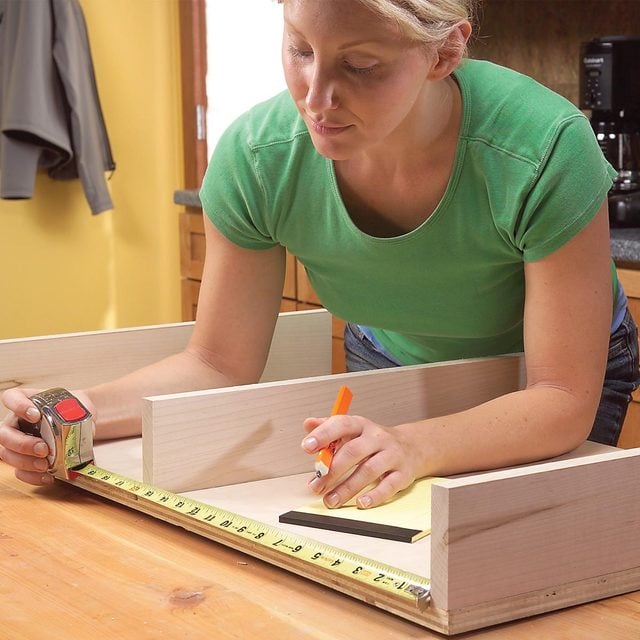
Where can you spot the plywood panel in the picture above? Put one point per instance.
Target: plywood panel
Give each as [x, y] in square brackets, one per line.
[630, 280]
[522, 526]
[290, 289]
[254, 432]
[301, 347]
[190, 293]
[305, 290]
[630, 436]
[192, 245]
[548, 524]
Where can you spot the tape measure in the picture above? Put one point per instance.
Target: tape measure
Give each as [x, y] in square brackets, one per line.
[70, 427]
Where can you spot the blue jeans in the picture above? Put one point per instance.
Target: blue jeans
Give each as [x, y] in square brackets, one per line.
[622, 376]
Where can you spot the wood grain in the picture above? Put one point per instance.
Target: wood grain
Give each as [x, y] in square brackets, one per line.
[301, 347]
[563, 532]
[254, 432]
[630, 436]
[94, 568]
[193, 71]
[530, 546]
[513, 542]
[192, 245]
[630, 279]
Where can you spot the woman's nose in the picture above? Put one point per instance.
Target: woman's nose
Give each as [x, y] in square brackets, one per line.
[321, 91]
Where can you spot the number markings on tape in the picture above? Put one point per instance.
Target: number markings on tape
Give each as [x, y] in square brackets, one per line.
[363, 570]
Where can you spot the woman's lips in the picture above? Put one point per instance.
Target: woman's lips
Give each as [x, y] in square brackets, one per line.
[327, 129]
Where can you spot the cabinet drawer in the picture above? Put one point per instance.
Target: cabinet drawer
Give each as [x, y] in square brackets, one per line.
[190, 291]
[305, 290]
[192, 245]
[630, 436]
[630, 280]
[290, 289]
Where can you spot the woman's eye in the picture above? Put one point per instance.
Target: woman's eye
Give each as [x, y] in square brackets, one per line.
[354, 67]
[361, 70]
[294, 52]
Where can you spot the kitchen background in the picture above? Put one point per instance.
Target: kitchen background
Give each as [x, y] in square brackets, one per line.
[65, 270]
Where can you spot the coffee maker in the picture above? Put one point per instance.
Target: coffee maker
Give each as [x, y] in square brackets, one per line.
[610, 88]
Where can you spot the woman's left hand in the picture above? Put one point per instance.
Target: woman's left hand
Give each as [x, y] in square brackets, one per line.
[374, 455]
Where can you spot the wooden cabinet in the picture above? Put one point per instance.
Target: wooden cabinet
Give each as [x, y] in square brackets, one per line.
[630, 436]
[192, 250]
[297, 293]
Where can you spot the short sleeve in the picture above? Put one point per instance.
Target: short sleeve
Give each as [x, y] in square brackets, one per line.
[232, 195]
[567, 190]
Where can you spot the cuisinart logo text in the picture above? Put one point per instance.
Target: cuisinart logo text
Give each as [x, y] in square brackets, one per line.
[599, 60]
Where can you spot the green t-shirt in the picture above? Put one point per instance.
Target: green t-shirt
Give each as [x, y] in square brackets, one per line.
[528, 176]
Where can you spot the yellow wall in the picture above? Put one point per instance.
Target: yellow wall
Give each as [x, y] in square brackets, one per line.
[64, 270]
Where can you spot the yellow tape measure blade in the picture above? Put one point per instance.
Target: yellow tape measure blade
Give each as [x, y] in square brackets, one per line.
[281, 547]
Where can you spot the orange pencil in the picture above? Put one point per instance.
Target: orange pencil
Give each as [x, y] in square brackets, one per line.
[324, 457]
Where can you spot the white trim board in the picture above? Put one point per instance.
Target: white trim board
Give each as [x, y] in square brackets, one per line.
[301, 347]
[240, 434]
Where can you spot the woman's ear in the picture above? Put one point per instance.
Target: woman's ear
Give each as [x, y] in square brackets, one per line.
[451, 50]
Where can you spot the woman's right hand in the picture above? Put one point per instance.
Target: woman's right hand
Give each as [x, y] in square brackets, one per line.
[27, 454]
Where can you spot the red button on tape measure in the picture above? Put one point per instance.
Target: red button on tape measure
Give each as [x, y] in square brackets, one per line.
[70, 410]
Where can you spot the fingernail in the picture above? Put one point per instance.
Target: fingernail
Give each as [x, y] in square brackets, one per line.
[41, 449]
[47, 478]
[41, 465]
[316, 484]
[33, 413]
[331, 500]
[310, 444]
[364, 502]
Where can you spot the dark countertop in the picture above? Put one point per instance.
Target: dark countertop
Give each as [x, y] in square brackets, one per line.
[187, 198]
[625, 247]
[625, 243]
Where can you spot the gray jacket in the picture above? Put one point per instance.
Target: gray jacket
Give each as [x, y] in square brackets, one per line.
[50, 113]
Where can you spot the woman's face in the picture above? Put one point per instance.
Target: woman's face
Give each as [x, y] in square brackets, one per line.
[354, 79]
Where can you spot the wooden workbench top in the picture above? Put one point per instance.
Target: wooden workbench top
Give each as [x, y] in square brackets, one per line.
[73, 564]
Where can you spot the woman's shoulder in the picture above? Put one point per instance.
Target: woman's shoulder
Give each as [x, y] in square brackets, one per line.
[273, 121]
[510, 110]
[500, 86]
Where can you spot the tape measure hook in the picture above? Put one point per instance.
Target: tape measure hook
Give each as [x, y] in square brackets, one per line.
[421, 594]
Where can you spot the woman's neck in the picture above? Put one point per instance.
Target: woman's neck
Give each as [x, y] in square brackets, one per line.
[427, 137]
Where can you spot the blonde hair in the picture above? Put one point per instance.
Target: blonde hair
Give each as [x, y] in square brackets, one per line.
[426, 21]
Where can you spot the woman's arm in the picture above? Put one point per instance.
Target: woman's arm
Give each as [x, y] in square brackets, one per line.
[237, 311]
[567, 321]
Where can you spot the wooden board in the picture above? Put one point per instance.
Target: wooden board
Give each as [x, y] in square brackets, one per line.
[535, 538]
[506, 544]
[77, 566]
[283, 406]
[147, 579]
[265, 500]
[301, 347]
[254, 432]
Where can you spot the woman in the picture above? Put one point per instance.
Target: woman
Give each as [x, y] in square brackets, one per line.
[446, 208]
